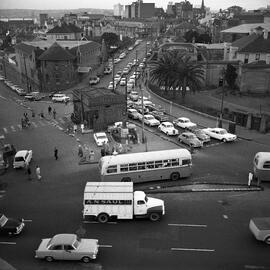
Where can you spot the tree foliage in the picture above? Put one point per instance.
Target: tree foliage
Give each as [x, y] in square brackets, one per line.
[230, 75]
[110, 39]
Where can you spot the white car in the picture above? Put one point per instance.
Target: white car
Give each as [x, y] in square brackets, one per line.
[134, 95]
[67, 247]
[220, 134]
[184, 122]
[94, 80]
[100, 138]
[122, 55]
[110, 87]
[151, 120]
[130, 48]
[126, 70]
[168, 128]
[22, 159]
[107, 70]
[123, 82]
[130, 85]
[116, 60]
[60, 98]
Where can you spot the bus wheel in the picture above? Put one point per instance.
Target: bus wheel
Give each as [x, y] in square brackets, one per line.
[103, 218]
[126, 179]
[175, 176]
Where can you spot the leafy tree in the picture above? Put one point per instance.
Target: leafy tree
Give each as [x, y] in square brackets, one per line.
[190, 35]
[110, 39]
[230, 75]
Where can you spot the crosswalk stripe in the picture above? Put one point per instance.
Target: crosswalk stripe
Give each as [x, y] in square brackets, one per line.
[5, 130]
[34, 124]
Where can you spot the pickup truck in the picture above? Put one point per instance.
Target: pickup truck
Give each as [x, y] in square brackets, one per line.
[260, 227]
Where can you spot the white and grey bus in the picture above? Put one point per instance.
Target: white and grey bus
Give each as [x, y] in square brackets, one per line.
[146, 166]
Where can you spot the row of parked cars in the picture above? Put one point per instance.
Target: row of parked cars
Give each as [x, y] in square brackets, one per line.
[142, 109]
[20, 91]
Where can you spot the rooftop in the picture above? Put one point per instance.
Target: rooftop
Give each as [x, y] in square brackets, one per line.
[246, 28]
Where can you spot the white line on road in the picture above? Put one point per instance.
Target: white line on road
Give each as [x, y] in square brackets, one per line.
[3, 97]
[19, 126]
[105, 246]
[255, 267]
[193, 249]
[225, 216]
[188, 225]
[27, 220]
[34, 124]
[96, 222]
[5, 130]
[7, 243]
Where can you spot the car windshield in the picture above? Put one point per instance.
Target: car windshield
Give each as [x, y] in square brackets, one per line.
[19, 159]
[76, 243]
[3, 220]
[223, 132]
[169, 126]
[150, 117]
[101, 137]
[192, 137]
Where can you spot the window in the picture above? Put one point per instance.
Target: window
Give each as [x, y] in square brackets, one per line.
[246, 58]
[112, 169]
[140, 202]
[150, 164]
[175, 162]
[257, 57]
[132, 166]
[68, 247]
[124, 168]
[141, 166]
[266, 165]
[167, 163]
[158, 163]
[186, 161]
[57, 247]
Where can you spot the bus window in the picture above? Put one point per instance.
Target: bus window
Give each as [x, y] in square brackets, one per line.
[133, 166]
[158, 163]
[141, 166]
[186, 161]
[167, 163]
[124, 168]
[112, 169]
[175, 162]
[150, 165]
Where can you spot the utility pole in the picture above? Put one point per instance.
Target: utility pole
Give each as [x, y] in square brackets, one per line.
[222, 98]
[113, 72]
[27, 83]
[136, 67]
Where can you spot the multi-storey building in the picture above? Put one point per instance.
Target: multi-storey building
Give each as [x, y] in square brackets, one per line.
[118, 10]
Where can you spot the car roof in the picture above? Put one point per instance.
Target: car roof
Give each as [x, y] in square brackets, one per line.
[100, 134]
[63, 239]
[218, 129]
[183, 118]
[21, 153]
[167, 123]
[188, 133]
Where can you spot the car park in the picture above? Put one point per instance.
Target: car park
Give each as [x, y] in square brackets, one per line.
[94, 80]
[67, 247]
[100, 138]
[159, 115]
[60, 98]
[184, 123]
[133, 113]
[10, 226]
[220, 134]
[201, 135]
[168, 129]
[150, 120]
[190, 139]
[22, 159]
[123, 82]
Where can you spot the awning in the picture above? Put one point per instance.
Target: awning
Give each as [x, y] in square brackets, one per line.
[84, 69]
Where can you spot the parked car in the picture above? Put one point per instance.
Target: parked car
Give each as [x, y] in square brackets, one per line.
[20, 91]
[126, 70]
[94, 80]
[190, 139]
[110, 87]
[33, 96]
[22, 158]
[142, 65]
[100, 138]
[134, 95]
[116, 60]
[220, 134]
[130, 86]
[184, 123]
[107, 70]
[151, 120]
[122, 55]
[60, 98]
[67, 247]
[159, 115]
[123, 82]
[168, 128]
[133, 113]
[130, 48]
[201, 135]
[10, 226]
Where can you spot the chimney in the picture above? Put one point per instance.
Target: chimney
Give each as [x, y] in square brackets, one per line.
[265, 34]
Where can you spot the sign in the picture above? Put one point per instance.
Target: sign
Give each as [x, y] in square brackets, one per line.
[124, 132]
[111, 202]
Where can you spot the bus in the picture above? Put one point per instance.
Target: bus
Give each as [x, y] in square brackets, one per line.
[146, 166]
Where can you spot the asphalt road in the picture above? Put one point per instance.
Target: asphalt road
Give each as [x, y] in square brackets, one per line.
[199, 230]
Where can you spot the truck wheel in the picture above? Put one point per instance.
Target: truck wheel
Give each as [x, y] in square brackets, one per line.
[103, 218]
[267, 240]
[126, 179]
[154, 216]
[49, 259]
[86, 259]
[175, 176]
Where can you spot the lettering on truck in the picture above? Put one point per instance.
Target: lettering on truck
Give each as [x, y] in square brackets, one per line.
[104, 202]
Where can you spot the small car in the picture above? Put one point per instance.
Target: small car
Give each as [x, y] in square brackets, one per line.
[133, 113]
[123, 82]
[220, 134]
[260, 227]
[126, 70]
[159, 115]
[116, 60]
[151, 120]
[67, 247]
[110, 87]
[184, 122]
[130, 85]
[168, 129]
[122, 55]
[130, 48]
[10, 226]
[20, 91]
[142, 65]
[107, 70]
[100, 138]
[60, 98]
[134, 95]
[22, 159]
[94, 80]
[190, 139]
[33, 96]
[201, 135]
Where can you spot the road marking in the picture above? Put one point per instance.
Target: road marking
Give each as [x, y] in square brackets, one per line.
[225, 216]
[96, 222]
[19, 126]
[8, 243]
[3, 97]
[34, 124]
[5, 130]
[13, 128]
[27, 220]
[188, 225]
[193, 249]
[105, 246]
[255, 267]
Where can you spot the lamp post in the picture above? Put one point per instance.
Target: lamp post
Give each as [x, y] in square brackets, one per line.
[113, 72]
[222, 99]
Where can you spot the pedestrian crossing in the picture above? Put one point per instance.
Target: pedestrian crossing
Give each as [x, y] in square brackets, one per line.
[33, 125]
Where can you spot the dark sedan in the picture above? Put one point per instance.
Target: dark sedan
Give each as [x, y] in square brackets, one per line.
[10, 226]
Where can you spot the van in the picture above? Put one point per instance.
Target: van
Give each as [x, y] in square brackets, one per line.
[261, 166]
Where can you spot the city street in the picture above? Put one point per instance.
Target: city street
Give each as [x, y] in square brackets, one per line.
[198, 231]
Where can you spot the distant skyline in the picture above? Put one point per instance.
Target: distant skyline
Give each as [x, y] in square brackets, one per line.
[108, 4]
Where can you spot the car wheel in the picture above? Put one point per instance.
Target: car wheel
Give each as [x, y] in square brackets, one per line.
[175, 176]
[167, 133]
[49, 258]
[103, 218]
[267, 240]
[154, 217]
[224, 140]
[126, 179]
[86, 259]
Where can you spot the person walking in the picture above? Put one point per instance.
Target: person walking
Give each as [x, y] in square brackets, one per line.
[80, 151]
[54, 113]
[55, 153]
[49, 110]
[29, 172]
[38, 173]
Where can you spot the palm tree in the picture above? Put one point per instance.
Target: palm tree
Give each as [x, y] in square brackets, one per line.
[176, 70]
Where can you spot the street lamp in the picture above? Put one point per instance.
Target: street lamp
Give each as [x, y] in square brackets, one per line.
[222, 98]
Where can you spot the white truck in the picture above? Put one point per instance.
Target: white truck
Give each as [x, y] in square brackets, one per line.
[260, 227]
[105, 200]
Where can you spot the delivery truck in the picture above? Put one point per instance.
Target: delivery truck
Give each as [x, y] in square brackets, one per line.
[105, 200]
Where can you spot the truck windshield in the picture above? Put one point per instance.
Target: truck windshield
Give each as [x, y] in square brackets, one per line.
[145, 198]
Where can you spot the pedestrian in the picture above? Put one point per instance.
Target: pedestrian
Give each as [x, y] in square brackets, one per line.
[29, 172]
[75, 127]
[38, 173]
[22, 123]
[49, 110]
[33, 113]
[92, 155]
[250, 178]
[80, 151]
[55, 153]
[54, 113]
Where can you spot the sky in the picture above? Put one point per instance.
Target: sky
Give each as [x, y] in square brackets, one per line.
[108, 4]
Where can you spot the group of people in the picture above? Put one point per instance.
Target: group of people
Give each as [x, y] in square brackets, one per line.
[25, 121]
